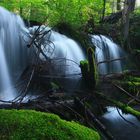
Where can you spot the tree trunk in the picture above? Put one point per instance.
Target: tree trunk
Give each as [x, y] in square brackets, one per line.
[129, 6]
[118, 5]
[104, 8]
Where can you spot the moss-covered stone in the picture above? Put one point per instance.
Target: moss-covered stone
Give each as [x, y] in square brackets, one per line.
[32, 125]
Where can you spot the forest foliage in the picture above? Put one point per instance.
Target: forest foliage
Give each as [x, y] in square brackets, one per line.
[81, 13]
[75, 12]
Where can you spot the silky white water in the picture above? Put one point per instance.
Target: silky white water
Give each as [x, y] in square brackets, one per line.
[5, 81]
[15, 55]
[69, 50]
[109, 52]
[12, 52]
[63, 53]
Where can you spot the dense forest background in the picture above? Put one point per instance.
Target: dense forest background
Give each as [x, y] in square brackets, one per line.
[96, 16]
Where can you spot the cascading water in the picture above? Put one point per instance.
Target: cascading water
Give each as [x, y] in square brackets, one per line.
[65, 56]
[5, 80]
[69, 50]
[109, 53]
[63, 51]
[106, 50]
[12, 52]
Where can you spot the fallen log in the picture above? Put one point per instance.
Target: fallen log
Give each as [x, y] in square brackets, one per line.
[121, 75]
[36, 104]
[96, 121]
[112, 60]
[125, 108]
[127, 93]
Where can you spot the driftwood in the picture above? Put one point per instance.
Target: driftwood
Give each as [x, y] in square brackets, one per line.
[52, 104]
[31, 104]
[124, 107]
[35, 42]
[127, 93]
[121, 75]
[112, 60]
[61, 108]
[58, 107]
[96, 121]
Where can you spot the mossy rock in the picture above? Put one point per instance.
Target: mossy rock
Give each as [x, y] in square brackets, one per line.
[33, 125]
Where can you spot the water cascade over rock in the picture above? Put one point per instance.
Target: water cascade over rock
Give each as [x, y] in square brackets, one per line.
[64, 56]
[109, 53]
[14, 37]
[64, 53]
[13, 55]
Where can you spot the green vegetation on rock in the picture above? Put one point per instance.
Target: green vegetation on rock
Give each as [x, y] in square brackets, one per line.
[33, 125]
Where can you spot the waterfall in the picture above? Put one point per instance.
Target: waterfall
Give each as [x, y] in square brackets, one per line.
[5, 81]
[107, 50]
[64, 56]
[64, 47]
[13, 55]
[69, 50]
[64, 52]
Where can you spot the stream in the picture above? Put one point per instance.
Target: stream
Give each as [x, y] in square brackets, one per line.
[119, 128]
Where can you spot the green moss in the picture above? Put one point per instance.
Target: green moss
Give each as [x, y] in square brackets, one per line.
[125, 108]
[84, 69]
[134, 79]
[130, 84]
[92, 67]
[136, 51]
[89, 70]
[32, 125]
